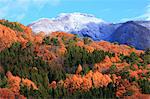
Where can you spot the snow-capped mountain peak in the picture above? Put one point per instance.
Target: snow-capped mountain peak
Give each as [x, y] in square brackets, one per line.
[81, 18]
[65, 22]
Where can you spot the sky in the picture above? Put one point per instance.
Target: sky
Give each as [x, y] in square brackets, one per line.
[27, 11]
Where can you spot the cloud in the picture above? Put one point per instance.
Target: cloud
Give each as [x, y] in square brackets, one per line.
[17, 9]
[145, 16]
[147, 13]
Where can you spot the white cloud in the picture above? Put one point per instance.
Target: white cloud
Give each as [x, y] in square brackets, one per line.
[18, 8]
[145, 16]
[147, 13]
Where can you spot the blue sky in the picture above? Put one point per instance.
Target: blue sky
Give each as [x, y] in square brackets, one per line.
[26, 11]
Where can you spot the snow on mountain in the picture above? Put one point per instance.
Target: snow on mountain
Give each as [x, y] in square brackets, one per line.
[96, 31]
[136, 33]
[144, 23]
[64, 22]
[76, 23]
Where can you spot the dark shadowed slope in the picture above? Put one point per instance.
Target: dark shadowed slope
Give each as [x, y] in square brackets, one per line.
[131, 33]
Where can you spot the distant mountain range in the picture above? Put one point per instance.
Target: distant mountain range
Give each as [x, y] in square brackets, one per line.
[134, 33]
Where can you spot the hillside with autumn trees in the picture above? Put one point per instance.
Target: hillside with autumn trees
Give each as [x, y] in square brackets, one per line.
[62, 65]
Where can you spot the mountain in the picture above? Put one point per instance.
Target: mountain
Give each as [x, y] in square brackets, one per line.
[76, 23]
[144, 23]
[135, 33]
[96, 31]
[64, 22]
[131, 33]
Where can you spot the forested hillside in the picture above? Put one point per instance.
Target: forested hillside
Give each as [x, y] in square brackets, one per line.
[62, 65]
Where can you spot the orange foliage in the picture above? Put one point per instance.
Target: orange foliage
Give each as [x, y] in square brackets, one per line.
[62, 34]
[137, 73]
[62, 49]
[133, 74]
[87, 84]
[115, 78]
[100, 80]
[8, 94]
[29, 83]
[73, 83]
[120, 91]
[60, 83]
[115, 59]
[105, 64]
[118, 49]
[148, 65]
[23, 41]
[84, 83]
[134, 87]
[110, 47]
[13, 82]
[79, 69]
[48, 55]
[138, 96]
[27, 32]
[135, 66]
[39, 37]
[96, 46]
[121, 65]
[108, 62]
[7, 37]
[53, 85]
[50, 52]
[80, 43]
[89, 48]
[43, 51]
[124, 86]
[89, 74]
